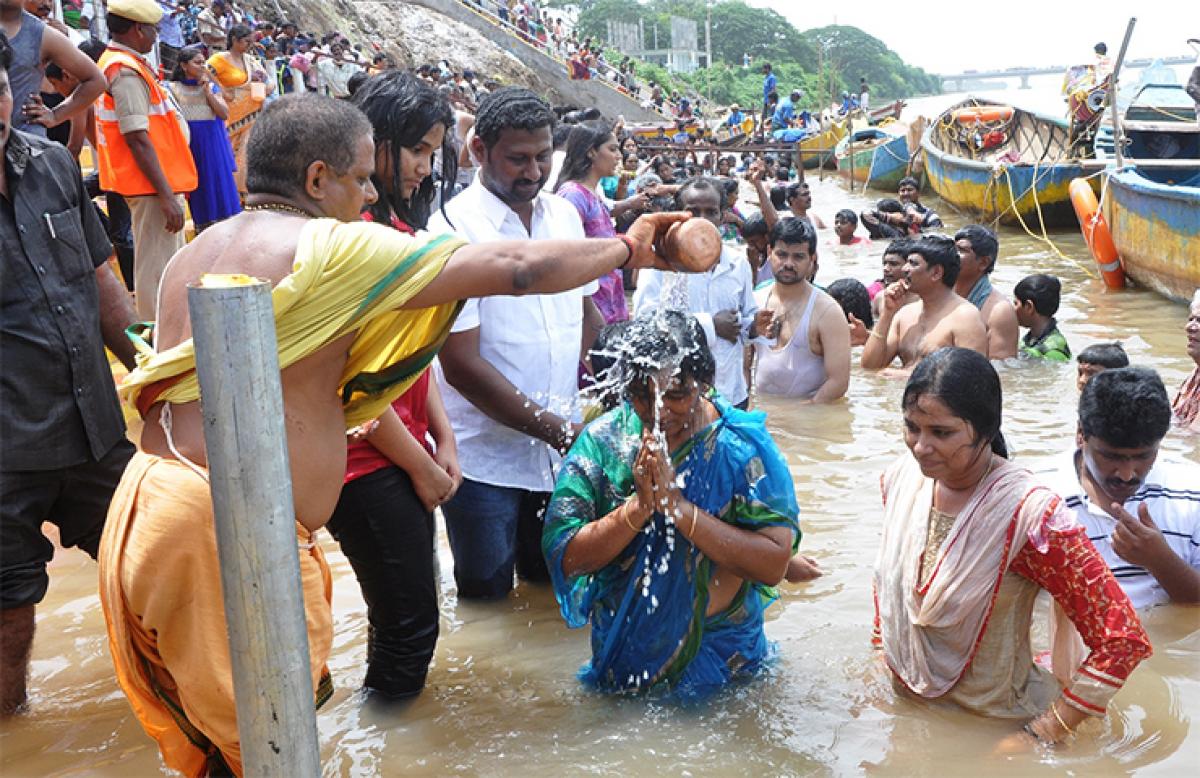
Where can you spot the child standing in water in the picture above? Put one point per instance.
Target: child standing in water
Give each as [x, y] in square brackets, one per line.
[1036, 301]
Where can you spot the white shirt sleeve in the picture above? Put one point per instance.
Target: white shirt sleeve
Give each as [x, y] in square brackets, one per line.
[468, 317]
[749, 305]
[648, 291]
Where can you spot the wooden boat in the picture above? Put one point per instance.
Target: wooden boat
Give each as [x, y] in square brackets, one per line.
[1153, 207]
[1005, 162]
[817, 149]
[649, 133]
[876, 156]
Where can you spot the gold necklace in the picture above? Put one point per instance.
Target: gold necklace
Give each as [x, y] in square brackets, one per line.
[282, 207]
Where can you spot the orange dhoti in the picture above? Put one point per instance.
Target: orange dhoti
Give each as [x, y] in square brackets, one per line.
[160, 586]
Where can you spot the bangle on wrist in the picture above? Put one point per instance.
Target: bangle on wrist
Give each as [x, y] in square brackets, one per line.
[1061, 723]
[875, 334]
[625, 515]
[695, 513]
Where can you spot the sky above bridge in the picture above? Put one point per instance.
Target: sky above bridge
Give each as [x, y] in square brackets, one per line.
[944, 36]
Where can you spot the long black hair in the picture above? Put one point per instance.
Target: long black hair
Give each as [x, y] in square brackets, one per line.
[583, 139]
[968, 385]
[402, 109]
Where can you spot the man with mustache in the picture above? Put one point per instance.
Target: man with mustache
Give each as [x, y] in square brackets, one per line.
[1141, 513]
[939, 318]
[509, 368]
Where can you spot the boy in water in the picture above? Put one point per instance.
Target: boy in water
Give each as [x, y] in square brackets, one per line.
[1035, 299]
[845, 222]
[1096, 359]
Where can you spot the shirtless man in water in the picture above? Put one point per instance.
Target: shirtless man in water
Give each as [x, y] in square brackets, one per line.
[166, 626]
[939, 318]
[977, 250]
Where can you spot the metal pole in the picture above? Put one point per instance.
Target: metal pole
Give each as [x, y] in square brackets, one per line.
[233, 328]
[708, 50]
[1118, 141]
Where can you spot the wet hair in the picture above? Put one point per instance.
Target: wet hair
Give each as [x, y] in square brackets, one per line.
[6, 53]
[794, 190]
[1126, 407]
[966, 383]
[700, 183]
[794, 229]
[846, 215]
[663, 339]
[293, 132]
[754, 225]
[1042, 289]
[1107, 355]
[909, 181]
[939, 250]
[402, 109]
[779, 197]
[510, 108]
[889, 205]
[854, 299]
[983, 242]
[604, 353]
[1100, 48]
[236, 32]
[584, 138]
[355, 82]
[186, 54]
[662, 203]
[900, 246]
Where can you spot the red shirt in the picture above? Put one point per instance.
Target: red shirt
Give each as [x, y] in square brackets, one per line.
[363, 458]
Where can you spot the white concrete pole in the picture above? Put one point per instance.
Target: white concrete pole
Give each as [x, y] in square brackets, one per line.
[233, 328]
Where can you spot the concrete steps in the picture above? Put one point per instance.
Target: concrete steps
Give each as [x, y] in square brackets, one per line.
[595, 93]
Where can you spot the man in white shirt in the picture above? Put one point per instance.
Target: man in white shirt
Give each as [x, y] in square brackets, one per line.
[509, 370]
[722, 299]
[335, 72]
[1141, 514]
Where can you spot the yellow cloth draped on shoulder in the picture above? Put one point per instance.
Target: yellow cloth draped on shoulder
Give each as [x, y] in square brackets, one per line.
[347, 277]
[160, 583]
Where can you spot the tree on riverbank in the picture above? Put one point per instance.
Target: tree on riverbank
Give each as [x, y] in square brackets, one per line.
[822, 61]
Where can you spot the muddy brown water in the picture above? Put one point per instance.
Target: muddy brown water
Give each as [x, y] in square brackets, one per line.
[503, 699]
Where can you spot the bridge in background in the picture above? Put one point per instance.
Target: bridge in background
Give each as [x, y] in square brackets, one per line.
[953, 83]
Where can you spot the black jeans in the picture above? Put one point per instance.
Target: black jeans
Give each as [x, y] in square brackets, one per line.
[118, 223]
[75, 499]
[387, 535]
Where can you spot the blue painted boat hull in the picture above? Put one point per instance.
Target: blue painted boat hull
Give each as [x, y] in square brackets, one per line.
[1156, 229]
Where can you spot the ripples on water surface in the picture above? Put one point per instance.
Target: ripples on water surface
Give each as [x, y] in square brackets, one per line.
[502, 695]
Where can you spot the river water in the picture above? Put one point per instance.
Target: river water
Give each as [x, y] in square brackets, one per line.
[502, 697]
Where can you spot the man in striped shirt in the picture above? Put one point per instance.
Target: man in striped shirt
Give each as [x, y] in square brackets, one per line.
[1142, 514]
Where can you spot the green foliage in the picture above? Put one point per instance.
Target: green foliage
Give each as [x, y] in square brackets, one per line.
[842, 54]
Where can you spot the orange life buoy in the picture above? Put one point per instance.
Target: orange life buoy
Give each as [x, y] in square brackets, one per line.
[1095, 232]
[983, 113]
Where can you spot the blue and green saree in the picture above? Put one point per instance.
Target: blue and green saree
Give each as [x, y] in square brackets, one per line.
[647, 607]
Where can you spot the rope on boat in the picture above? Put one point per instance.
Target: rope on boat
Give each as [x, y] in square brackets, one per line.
[1044, 238]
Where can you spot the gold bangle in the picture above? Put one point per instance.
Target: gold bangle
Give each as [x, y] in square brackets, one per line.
[1061, 723]
[875, 334]
[692, 532]
[625, 515]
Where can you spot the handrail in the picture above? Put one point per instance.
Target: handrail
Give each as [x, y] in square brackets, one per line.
[545, 50]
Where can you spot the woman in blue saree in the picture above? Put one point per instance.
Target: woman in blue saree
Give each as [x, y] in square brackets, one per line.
[670, 552]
